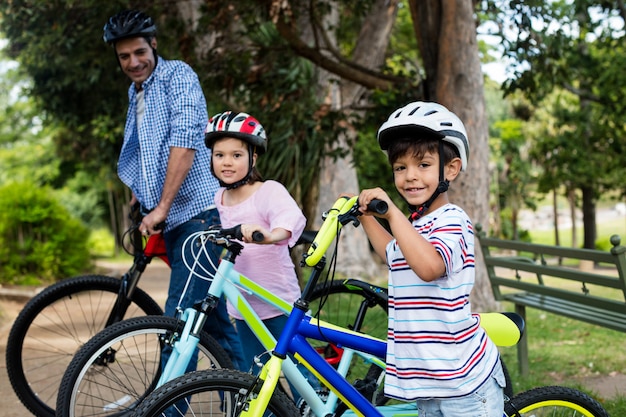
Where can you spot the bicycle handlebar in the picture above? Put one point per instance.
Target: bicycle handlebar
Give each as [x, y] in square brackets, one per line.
[218, 235]
[344, 211]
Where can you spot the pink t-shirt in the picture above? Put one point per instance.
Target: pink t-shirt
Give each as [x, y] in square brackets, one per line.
[270, 266]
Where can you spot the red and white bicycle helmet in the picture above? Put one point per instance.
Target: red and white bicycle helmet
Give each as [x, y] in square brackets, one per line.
[236, 125]
[425, 118]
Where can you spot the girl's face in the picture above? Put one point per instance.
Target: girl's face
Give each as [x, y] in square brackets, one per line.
[231, 158]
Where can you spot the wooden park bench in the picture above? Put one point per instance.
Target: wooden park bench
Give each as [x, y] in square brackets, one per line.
[554, 279]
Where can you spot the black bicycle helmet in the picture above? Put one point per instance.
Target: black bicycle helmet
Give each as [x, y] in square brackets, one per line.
[128, 24]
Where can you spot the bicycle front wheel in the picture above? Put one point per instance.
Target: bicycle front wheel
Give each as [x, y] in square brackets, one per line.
[221, 392]
[119, 366]
[53, 325]
[553, 401]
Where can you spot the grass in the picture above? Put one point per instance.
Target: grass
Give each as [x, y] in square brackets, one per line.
[605, 231]
[563, 351]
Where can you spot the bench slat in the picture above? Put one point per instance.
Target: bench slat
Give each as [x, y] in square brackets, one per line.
[558, 293]
[555, 271]
[611, 320]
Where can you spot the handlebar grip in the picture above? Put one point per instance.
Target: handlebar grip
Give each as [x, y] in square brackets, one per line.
[258, 236]
[377, 206]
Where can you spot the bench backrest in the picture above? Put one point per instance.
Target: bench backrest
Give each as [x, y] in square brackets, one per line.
[550, 271]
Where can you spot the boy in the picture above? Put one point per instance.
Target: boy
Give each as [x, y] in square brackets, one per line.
[437, 352]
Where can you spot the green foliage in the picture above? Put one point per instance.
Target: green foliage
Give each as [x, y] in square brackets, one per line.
[573, 72]
[82, 196]
[39, 240]
[101, 243]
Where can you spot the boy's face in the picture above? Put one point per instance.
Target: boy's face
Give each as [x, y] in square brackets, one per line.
[136, 58]
[417, 178]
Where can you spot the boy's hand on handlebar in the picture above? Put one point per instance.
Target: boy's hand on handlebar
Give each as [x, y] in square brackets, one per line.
[366, 196]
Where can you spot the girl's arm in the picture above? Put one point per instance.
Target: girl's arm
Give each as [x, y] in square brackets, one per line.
[276, 235]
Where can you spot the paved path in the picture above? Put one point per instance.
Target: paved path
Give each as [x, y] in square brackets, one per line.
[154, 282]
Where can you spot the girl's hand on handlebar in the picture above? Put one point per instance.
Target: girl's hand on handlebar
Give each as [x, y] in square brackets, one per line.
[366, 196]
[253, 233]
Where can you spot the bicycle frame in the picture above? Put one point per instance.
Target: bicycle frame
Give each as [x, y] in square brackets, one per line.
[230, 283]
[155, 247]
[300, 326]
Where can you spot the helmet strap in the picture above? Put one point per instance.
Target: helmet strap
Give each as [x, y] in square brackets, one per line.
[417, 212]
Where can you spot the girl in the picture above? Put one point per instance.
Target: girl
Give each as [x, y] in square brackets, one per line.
[236, 141]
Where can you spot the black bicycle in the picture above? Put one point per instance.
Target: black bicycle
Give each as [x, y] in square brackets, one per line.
[55, 323]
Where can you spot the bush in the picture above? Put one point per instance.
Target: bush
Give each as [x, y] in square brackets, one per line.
[39, 240]
[101, 243]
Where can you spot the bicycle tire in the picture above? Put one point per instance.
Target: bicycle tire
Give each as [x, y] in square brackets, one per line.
[210, 393]
[51, 328]
[553, 401]
[119, 366]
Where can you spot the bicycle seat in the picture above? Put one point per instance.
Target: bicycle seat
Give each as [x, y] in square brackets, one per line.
[505, 329]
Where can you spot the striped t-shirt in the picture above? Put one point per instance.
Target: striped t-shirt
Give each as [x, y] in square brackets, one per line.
[436, 347]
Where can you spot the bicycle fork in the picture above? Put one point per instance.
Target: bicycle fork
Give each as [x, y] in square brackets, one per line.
[184, 346]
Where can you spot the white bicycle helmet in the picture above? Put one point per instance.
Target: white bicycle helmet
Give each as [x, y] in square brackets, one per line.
[425, 118]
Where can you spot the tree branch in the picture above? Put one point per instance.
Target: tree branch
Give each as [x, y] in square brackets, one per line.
[584, 94]
[339, 66]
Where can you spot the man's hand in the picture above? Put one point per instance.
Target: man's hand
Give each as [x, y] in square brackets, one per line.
[152, 223]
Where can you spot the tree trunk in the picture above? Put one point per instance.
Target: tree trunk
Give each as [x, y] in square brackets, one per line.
[339, 175]
[555, 216]
[453, 61]
[571, 198]
[589, 218]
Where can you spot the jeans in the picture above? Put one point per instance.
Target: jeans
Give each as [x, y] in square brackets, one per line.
[486, 401]
[218, 323]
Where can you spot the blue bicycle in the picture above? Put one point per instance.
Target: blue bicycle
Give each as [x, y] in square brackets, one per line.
[234, 393]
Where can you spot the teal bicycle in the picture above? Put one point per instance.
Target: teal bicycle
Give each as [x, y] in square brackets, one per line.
[233, 393]
[119, 366]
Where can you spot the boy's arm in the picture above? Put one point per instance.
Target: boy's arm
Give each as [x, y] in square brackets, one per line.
[419, 253]
[379, 237]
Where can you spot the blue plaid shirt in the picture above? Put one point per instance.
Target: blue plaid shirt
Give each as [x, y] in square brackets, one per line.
[175, 116]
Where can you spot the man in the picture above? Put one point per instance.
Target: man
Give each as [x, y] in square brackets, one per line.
[164, 160]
